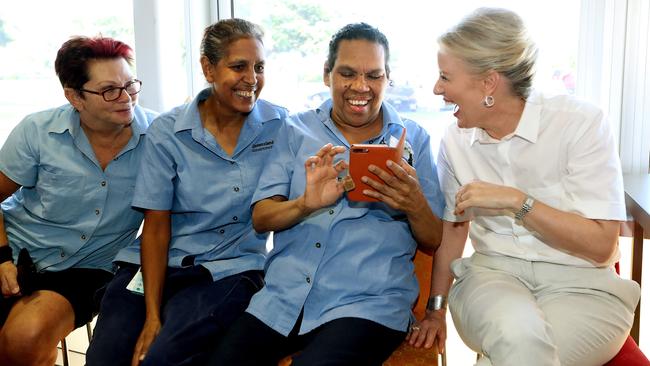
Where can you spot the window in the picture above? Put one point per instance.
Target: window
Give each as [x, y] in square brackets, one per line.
[298, 32]
[29, 40]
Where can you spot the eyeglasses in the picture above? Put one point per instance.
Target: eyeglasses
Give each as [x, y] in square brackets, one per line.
[132, 88]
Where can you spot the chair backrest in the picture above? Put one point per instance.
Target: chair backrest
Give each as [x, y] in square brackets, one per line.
[423, 263]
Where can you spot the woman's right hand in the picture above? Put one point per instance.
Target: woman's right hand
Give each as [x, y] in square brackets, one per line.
[322, 185]
[9, 279]
[147, 336]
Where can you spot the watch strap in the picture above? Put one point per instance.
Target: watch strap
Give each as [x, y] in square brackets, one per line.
[525, 208]
[6, 254]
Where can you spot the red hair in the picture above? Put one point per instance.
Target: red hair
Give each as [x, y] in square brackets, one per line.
[72, 59]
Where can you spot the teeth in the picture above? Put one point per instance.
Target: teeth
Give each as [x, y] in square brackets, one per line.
[247, 94]
[357, 102]
[456, 108]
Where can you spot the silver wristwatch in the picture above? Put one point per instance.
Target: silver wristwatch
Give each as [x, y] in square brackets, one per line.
[525, 208]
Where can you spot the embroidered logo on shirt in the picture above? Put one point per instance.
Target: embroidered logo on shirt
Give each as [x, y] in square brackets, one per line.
[262, 146]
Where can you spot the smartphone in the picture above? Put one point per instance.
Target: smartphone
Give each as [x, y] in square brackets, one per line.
[362, 155]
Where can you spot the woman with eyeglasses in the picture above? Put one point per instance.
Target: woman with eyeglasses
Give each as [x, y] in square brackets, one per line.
[201, 259]
[66, 178]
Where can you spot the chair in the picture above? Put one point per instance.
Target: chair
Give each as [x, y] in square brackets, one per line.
[64, 345]
[406, 355]
[630, 354]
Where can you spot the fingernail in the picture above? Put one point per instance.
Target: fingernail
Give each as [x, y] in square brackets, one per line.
[389, 163]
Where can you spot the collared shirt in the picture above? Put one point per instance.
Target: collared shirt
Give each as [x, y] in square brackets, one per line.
[69, 212]
[562, 153]
[208, 192]
[351, 259]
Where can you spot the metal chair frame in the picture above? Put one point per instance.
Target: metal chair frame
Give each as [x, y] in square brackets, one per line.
[64, 345]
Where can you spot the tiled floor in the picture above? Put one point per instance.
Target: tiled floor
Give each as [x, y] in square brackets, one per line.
[457, 353]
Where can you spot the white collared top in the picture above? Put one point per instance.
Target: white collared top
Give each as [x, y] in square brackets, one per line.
[562, 154]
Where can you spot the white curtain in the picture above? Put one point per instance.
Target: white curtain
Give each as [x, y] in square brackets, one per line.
[635, 111]
[614, 72]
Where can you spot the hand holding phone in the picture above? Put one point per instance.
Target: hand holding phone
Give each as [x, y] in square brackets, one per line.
[362, 155]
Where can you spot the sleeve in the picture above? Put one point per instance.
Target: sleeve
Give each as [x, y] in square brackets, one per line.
[19, 156]
[275, 179]
[154, 187]
[448, 182]
[593, 179]
[425, 167]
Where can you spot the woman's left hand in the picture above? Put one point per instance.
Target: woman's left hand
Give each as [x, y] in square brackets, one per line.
[488, 196]
[400, 190]
[431, 330]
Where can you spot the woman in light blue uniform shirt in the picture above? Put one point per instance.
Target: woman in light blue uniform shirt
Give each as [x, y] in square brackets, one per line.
[201, 259]
[339, 281]
[69, 173]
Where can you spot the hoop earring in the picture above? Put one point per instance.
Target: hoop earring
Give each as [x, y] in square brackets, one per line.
[488, 101]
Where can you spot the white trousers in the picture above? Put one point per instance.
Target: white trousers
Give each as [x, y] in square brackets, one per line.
[517, 312]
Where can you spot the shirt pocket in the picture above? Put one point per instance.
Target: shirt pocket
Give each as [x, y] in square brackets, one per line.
[62, 195]
[121, 216]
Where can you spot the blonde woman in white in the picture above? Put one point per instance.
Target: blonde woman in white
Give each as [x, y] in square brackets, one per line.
[540, 181]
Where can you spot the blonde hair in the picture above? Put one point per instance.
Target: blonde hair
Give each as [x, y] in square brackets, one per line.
[494, 39]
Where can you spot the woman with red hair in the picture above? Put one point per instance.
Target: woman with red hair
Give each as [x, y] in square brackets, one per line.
[66, 178]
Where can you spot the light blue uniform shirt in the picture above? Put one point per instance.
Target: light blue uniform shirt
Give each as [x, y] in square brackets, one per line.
[208, 192]
[352, 259]
[69, 212]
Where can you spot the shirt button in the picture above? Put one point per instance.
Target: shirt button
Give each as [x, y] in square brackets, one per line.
[317, 245]
[222, 231]
[308, 280]
[83, 237]
[235, 218]
[331, 212]
[96, 212]
[103, 183]
[236, 189]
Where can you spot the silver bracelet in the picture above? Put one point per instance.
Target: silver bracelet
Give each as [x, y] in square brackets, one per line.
[437, 302]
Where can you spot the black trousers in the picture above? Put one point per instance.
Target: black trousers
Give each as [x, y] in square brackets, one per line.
[196, 312]
[345, 341]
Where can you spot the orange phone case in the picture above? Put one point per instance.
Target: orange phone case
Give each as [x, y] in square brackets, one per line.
[362, 155]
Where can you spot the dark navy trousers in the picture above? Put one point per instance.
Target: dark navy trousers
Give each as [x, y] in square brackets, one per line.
[340, 342]
[196, 312]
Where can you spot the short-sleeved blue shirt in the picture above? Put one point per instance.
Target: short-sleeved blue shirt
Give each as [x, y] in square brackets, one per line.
[208, 192]
[69, 212]
[352, 259]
